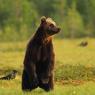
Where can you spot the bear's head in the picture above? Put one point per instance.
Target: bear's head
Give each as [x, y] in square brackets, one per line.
[49, 26]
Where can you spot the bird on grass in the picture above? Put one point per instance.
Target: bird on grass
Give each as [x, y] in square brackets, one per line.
[10, 76]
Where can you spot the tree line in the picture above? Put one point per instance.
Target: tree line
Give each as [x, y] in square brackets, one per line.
[20, 18]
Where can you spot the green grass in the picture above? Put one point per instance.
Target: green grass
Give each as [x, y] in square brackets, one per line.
[74, 68]
[84, 89]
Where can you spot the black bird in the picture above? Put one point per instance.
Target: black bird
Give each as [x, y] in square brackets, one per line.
[10, 76]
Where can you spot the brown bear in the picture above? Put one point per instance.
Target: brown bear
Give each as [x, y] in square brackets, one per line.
[39, 58]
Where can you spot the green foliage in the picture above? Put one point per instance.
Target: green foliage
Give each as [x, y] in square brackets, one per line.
[75, 17]
[73, 24]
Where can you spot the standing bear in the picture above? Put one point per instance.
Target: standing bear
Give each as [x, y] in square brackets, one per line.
[39, 58]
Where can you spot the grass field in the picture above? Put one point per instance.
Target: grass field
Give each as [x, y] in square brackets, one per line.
[74, 68]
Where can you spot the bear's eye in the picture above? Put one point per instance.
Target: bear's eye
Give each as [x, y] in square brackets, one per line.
[51, 25]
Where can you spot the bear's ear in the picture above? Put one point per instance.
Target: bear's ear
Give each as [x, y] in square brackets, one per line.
[43, 20]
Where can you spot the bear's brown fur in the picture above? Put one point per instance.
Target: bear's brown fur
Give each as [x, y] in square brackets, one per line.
[39, 58]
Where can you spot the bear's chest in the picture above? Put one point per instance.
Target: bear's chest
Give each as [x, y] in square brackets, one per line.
[45, 52]
[42, 53]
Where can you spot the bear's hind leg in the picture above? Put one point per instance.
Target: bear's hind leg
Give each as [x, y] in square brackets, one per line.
[26, 83]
